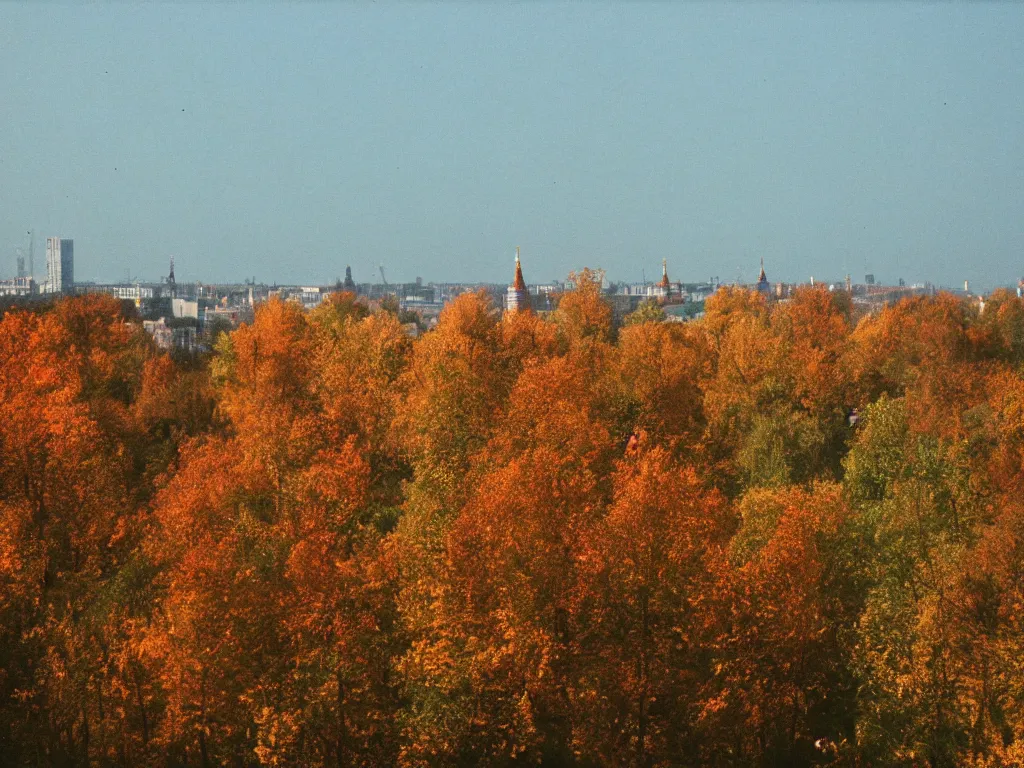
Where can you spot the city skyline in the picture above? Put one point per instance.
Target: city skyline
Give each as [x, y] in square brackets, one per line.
[287, 141]
[740, 278]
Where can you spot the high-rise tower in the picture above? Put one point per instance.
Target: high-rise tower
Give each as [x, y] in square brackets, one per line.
[60, 265]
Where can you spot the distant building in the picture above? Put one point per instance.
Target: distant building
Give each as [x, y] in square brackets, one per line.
[624, 303]
[312, 296]
[136, 292]
[60, 265]
[171, 337]
[517, 298]
[698, 292]
[763, 287]
[18, 286]
[542, 296]
[663, 289]
[233, 316]
[182, 308]
[783, 290]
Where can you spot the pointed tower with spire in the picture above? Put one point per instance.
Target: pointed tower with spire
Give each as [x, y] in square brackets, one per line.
[663, 289]
[762, 286]
[517, 298]
[171, 285]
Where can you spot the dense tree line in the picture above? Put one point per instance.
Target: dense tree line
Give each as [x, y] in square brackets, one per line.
[516, 541]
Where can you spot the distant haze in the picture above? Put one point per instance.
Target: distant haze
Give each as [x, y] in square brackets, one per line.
[286, 141]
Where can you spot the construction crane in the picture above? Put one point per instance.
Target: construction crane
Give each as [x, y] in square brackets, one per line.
[384, 279]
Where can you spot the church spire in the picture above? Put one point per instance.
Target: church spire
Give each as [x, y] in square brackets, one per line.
[664, 274]
[762, 286]
[519, 284]
[517, 298]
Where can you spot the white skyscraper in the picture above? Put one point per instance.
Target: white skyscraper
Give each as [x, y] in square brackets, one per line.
[60, 265]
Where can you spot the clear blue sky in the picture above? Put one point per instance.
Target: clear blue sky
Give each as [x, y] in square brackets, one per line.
[286, 141]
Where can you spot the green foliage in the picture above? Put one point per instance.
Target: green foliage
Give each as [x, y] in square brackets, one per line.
[782, 447]
[647, 312]
[876, 459]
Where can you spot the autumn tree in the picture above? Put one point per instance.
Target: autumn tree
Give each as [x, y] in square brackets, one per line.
[752, 424]
[277, 613]
[456, 382]
[582, 313]
[645, 618]
[654, 383]
[68, 484]
[727, 304]
[490, 666]
[921, 511]
[779, 534]
[921, 345]
[785, 688]
[647, 312]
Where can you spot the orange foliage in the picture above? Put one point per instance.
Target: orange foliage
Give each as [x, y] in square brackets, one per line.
[537, 539]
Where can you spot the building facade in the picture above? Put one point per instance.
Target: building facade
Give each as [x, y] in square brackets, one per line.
[60, 265]
[18, 286]
[171, 337]
[185, 308]
[136, 292]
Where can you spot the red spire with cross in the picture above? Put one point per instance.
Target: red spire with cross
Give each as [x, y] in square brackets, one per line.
[517, 298]
[664, 274]
[519, 284]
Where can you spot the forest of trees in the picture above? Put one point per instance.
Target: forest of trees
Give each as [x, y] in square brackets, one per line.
[516, 540]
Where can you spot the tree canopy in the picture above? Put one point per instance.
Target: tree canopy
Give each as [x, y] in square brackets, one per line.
[785, 533]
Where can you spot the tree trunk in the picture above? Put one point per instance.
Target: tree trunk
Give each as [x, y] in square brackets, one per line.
[342, 728]
[142, 706]
[645, 628]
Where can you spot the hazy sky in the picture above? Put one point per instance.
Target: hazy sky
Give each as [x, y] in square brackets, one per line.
[286, 141]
